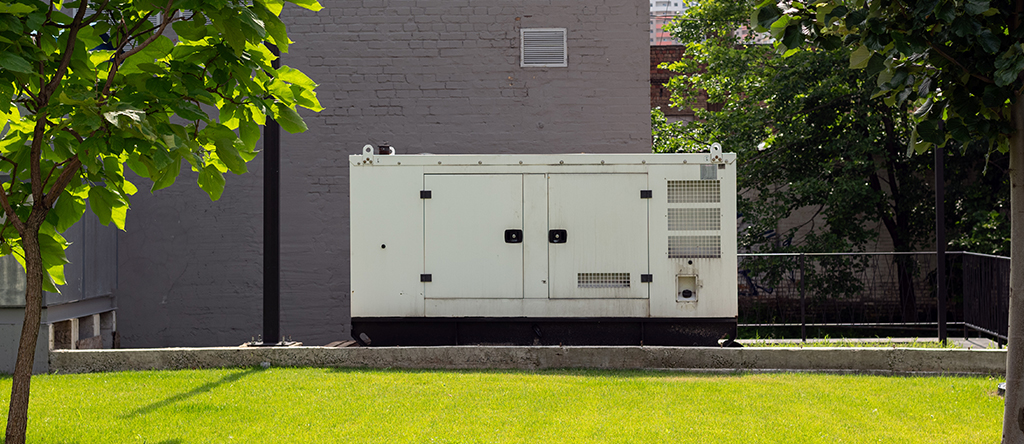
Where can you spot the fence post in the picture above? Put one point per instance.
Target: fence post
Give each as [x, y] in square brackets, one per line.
[803, 303]
[940, 242]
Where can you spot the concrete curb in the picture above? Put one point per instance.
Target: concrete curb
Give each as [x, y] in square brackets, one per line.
[895, 361]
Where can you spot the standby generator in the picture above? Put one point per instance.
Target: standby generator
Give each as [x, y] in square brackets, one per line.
[546, 249]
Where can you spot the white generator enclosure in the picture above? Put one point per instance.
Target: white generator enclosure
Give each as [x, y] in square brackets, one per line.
[543, 249]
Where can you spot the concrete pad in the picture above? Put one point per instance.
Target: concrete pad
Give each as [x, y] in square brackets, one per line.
[896, 361]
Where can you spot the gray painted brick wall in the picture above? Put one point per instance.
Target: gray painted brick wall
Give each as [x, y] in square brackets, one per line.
[438, 76]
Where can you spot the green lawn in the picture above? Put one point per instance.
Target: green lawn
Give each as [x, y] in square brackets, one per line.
[285, 405]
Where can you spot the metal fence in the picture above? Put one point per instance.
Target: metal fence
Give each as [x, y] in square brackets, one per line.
[873, 289]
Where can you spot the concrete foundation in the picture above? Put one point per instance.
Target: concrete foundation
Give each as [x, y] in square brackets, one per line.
[895, 361]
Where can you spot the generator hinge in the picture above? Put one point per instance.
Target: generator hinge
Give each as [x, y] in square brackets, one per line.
[425, 277]
[646, 278]
[424, 194]
[646, 194]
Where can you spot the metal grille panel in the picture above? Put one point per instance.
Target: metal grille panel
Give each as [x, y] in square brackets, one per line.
[694, 191]
[602, 280]
[694, 247]
[543, 47]
[701, 219]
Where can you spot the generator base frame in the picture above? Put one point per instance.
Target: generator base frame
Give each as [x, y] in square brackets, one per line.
[705, 332]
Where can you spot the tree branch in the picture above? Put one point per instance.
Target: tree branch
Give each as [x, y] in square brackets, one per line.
[964, 68]
[120, 58]
[76, 25]
[66, 174]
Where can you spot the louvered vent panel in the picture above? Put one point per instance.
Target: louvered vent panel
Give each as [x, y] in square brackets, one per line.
[694, 191]
[702, 219]
[543, 47]
[602, 280]
[693, 247]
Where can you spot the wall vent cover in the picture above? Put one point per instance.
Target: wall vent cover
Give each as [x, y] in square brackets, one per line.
[543, 47]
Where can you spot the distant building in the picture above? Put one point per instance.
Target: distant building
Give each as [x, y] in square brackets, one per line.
[663, 12]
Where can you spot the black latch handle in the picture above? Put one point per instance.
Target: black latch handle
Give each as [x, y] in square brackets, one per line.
[513, 236]
[558, 236]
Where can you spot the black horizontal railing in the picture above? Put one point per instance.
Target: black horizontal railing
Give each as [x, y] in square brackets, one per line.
[890, 289]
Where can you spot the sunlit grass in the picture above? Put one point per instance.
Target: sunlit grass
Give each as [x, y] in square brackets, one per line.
[342, 405]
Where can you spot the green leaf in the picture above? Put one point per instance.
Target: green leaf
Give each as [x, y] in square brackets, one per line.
[16, 8]
[68, 209]
[289, 119]
[924, 108]
[167, 176]
[975, 7]
[107, 206]
[859, 58]
[275, 27]
[311, 5]
[189, 111]
[946, 11]
[766, 16]
[194, 29]
[295, 77]
[14, 62]
[929, 132]
[793, 36]
[212, 181]
[988, 41]
[228, 153]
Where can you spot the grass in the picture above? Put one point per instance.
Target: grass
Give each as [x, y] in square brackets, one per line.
[288, 405]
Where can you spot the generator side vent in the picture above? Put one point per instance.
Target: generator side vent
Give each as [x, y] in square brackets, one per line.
[694, 247]
[602, 280]
[699, 219]
[694, 191]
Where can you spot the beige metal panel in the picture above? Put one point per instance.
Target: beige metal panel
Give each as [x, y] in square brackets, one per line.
[535, 227]
[540, 308]
[688, 214]
[464, 236]
[387, 240]
[607, 247]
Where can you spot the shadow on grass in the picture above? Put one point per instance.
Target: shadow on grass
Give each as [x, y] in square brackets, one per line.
[183, 396]
[574, 372]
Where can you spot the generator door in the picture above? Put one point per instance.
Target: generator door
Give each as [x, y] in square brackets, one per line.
[473, 236]
[597, 235]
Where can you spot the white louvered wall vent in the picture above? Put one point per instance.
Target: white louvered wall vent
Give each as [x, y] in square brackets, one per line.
[543, 47]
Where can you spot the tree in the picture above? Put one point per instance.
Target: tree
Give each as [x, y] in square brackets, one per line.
[810, 136]
[959, 64]
[89, 88]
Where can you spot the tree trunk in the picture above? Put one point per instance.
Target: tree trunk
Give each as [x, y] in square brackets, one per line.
[17, 417]
[1013, 415]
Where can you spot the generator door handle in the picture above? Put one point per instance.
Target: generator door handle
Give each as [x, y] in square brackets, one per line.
[513, 236]
[558, 236]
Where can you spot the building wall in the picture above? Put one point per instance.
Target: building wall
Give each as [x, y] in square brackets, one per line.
[438, 76]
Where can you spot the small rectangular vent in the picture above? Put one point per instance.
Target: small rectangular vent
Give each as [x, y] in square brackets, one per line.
[680, 219]
[543, 47]
[693, 247]
[694, 191]
[602, 280]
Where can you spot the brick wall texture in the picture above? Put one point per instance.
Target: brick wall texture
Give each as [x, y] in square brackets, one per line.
[438, 76]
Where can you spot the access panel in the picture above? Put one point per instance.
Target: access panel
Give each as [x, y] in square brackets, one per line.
[597, 237]
[473, 236]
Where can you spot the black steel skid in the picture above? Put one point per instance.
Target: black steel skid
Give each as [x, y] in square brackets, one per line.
[400, 331]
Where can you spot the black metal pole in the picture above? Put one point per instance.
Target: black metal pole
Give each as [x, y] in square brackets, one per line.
[272, 225]
[803, 302]
[940, 242]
